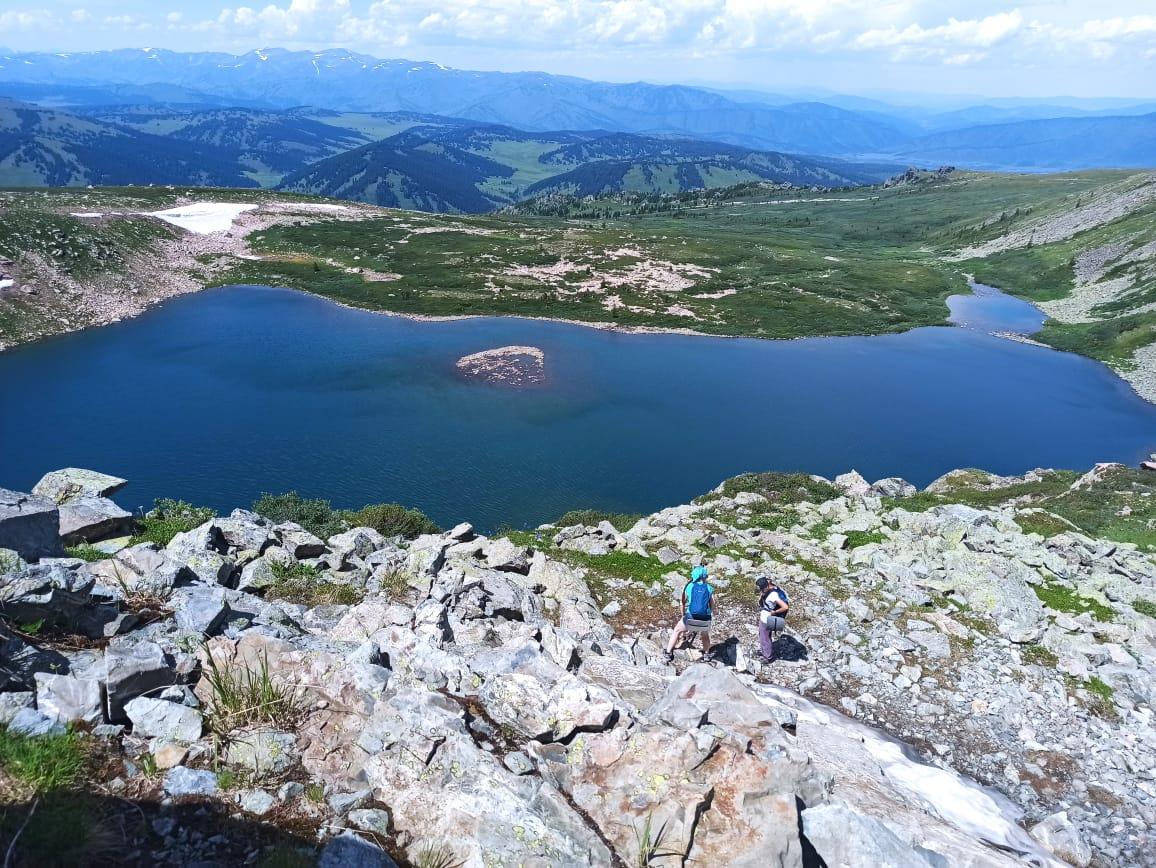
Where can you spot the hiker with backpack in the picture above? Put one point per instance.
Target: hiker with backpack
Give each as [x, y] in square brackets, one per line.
[697, 611]
[773, 607]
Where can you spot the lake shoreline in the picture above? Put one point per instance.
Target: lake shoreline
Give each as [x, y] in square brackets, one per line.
[175, 283]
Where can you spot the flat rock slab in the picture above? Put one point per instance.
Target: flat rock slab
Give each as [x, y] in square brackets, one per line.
[89, 518]
[29, 525]
[505, 366]
[63, 486]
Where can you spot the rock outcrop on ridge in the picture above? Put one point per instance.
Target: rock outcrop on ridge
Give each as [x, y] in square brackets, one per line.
[504, 701]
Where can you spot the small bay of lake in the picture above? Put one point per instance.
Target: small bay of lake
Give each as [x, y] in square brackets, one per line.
[219, 396]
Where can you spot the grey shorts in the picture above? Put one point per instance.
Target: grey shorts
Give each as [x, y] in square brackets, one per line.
[693, 625]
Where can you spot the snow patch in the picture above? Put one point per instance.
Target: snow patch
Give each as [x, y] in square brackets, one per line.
[203, 218]
[981, 813]
[86, 214]
[309, 206]
[4, 284]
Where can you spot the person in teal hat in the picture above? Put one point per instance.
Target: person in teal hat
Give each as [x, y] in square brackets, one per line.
[697, 611]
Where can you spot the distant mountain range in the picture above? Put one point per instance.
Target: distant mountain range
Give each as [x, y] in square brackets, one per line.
[1084, 142]
[421, 135]
[399, 159]
[43, 147]
[477, 168]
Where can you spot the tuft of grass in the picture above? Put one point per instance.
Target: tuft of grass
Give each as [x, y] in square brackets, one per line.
[87, 553]
[1145, 607]
[620, 521]
[1061, 598]
[649, 843]
[778, 488]
[43, 763]
[624, 565]
[856, 538]
[1097, 695]
[247, 697]
[1044, 523]
[315, 793]
[437, 856]
[302, 583]
[1038, 655]
[168, 518]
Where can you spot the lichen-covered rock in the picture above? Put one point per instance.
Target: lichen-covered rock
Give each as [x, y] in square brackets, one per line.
[70, 483]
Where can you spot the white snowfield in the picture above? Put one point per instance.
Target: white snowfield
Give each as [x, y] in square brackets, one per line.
[983, 814]
[203, 218]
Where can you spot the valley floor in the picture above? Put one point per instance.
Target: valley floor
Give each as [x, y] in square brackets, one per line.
[769, 265]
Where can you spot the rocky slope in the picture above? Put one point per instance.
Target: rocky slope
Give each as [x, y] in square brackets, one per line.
[505, 702]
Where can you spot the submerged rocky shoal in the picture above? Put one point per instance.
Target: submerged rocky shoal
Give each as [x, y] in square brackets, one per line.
[504, 701]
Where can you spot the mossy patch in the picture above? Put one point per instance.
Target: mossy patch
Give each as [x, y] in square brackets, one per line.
[1061, 598]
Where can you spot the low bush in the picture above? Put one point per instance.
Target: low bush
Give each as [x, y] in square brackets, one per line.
[168, 518]
[620, 521]
[302, 583]
[392, 519]
[313, 514]
[856, 538]
[318, 517]
[781, 488]
[1145, 607]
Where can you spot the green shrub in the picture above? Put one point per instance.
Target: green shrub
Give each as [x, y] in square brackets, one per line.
[620, 521]
[1061, 598]
[168, 518]
[1145, 607]
[856, 538]
[302, 583]
[44, 763]
[315, 515]
[86, 552]
[392, 519]
[1040, 656]
[781, 488]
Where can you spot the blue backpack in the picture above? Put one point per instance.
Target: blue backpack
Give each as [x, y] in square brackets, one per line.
[699, 607]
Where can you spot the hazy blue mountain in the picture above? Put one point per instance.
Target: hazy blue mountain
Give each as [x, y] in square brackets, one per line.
[477, 168]
[534, 101]
[47, 147]
[267, 145]
[1058, 143]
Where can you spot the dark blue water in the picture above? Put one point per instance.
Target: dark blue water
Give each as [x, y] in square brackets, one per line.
[219, 396]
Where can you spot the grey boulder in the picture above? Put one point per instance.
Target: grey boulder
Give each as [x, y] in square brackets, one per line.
[350, 851]
[89, 518]
[845, 839]
[29, 525]
[163, 719]
[68, 699]
[184, 781]
[131, 670]
[63, 486]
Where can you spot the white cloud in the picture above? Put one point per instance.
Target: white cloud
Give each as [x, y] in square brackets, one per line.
[26, 20]
[948, 32]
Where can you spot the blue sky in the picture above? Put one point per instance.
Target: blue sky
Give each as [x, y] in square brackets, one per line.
[1072, 47]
